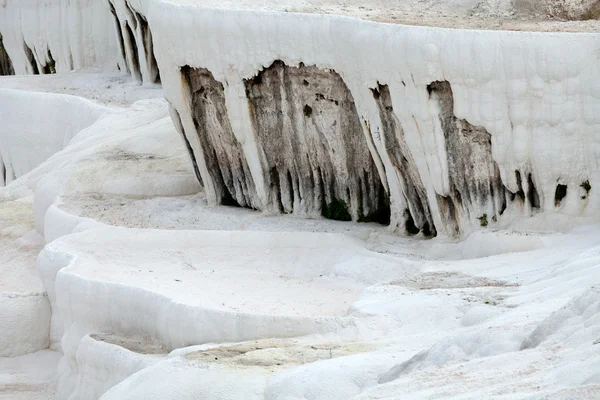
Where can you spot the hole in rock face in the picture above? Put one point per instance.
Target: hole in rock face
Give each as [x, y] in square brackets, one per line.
[31, 59]
[404, 165]
[120, 38]
[148, 49]
[561, 193]
[6, 66]
[474, 175]
[135, 60]
[308, 129]
[223, 155]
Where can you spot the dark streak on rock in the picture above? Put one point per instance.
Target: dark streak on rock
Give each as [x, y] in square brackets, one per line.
[227, 166]
[308, 130]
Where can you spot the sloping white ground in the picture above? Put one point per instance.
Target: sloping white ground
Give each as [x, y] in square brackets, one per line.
[29, 377]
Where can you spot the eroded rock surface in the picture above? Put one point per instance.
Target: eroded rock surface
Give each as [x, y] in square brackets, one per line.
[313, 147]
[476, 189]
[222, 152]
[418, 215]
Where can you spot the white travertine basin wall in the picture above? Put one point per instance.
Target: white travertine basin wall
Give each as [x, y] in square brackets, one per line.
[541, 109]
[75, 34]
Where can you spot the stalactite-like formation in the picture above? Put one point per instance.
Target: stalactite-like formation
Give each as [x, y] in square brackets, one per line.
[475, 182]
[418, 215]
[153, 72]
[313, 145]
[223, 154]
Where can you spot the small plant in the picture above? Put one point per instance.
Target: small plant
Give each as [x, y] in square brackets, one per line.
[587, 187]
[337, 210]
[483, 221]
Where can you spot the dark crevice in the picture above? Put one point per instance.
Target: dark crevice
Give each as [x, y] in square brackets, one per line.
[31, 59]
[503, 204]
[306, 122]
[275, 187]
[409, 223]
[119, 35]
[474, 176]
[153, 71]
[290, 189]
[3, 172]
[520, 192]
[6, 66]
[404, 164]
[135, 60]
[131, 13]
[532, 194]
[223, 155]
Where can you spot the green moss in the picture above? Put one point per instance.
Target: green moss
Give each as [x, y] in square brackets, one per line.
[337, 210]
[483, 221]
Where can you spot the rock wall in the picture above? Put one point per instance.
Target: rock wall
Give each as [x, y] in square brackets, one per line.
[450, 130]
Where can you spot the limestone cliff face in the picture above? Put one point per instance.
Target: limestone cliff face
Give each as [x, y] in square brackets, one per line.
[436, 132]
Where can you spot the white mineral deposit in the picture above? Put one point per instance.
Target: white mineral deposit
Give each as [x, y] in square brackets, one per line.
[299, 200]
